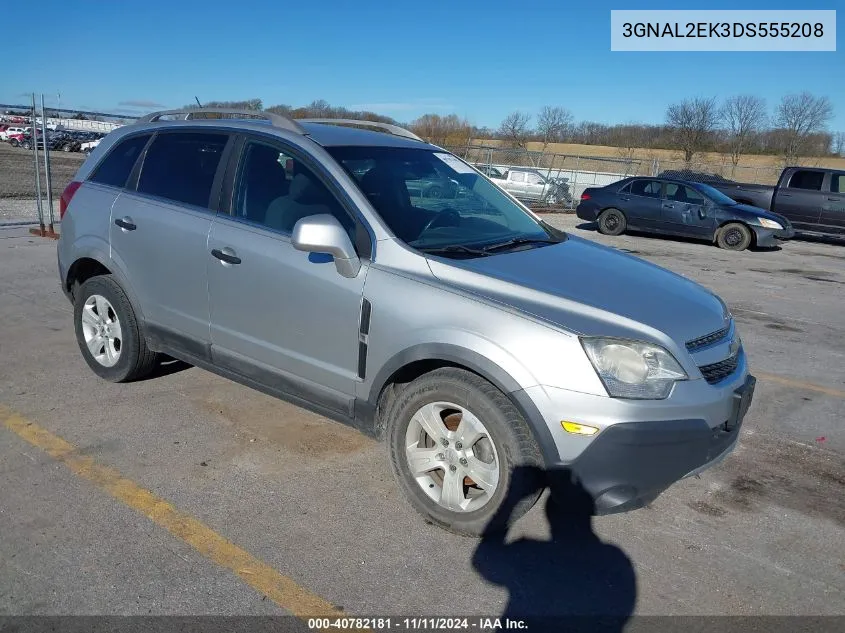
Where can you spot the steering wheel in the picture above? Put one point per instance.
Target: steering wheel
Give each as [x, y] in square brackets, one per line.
[444, 217]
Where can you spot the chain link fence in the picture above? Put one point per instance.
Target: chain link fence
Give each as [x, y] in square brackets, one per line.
[20, 191]
[572, 174]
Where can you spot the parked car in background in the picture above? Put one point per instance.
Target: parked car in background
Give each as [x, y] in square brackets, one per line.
[15, 139]
[529, 185]
[432, 186]
[684, 208]
[10, 131]
[89, 146]
[812, 198]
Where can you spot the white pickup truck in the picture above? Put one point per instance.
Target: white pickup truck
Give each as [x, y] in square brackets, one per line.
[529, 185]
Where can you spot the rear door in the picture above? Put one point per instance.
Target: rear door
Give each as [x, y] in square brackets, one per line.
[802, 198]
[516, 184]
[832, 218]
[641, 202]
[159, 233]
[685, 211]
[535, 186]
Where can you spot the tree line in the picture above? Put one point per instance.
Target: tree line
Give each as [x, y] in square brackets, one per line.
[737, 126]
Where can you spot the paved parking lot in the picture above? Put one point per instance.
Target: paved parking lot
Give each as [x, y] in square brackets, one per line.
[188, 494]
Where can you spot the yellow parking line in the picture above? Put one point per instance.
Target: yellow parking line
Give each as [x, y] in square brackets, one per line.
[257, 574]
[800, 384]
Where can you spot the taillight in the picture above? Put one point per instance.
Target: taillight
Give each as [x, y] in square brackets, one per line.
[585, 196]
[67, 195]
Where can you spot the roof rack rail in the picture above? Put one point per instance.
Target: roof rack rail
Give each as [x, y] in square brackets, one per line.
[388, 127]
[277, 120]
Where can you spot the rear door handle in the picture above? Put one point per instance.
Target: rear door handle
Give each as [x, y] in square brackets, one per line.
[126, 223]
[668, 206]
[625, 198]
[835, 199]
[226, 257]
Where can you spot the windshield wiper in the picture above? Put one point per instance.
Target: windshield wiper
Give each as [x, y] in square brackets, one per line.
[518, 241]
[454, 248]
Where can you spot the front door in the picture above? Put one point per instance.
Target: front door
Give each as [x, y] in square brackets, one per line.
[685, 211]
[801, 200]
[280, 316]
[832, 218]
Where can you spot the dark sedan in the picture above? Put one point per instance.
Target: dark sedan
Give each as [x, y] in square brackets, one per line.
[678, 207]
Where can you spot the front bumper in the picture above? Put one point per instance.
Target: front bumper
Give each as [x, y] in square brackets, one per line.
[630, 463]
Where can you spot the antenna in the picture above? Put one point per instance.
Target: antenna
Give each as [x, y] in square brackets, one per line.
[198, 101]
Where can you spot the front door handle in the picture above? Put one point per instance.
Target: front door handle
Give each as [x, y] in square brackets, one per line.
[668, 206]
[227, 256]
[126, 223]
[834, 199]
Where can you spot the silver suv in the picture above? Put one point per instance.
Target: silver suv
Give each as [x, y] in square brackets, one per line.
[490, 350]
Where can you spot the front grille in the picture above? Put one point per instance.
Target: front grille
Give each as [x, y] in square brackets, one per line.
[716, 372]
[708, 339]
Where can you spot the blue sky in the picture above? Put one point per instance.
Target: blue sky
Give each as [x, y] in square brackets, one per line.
[478, 59]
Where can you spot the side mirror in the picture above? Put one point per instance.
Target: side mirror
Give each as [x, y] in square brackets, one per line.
[324, 234]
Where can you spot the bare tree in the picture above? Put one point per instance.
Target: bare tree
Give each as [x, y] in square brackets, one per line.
[628, 138]
[552, 123]
[514, 129]
[837, 145]
[743, 116]
[799, 117]
[692, 122]
[443, 130]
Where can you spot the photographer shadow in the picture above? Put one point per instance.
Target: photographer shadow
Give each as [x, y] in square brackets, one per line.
[574, 581]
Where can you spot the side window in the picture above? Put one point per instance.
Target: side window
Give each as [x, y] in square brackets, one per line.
[681, 193]
[625, 189]
[180, 166]
[517, 176]
[277, 190]
[115, 168]
[534, 179]
[647, 188]
[805, 179]
[837, 183]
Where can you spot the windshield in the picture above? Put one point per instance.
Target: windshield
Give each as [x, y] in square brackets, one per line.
[432, 200]
[715, 195]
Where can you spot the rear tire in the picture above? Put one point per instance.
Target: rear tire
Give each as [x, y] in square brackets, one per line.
[108, 333]
[734, 237]
[458, 405]
[612, 222]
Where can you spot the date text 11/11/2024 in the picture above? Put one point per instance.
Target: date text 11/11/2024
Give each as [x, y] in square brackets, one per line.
[417, 624]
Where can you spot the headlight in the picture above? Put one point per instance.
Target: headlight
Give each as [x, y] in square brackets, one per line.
[770, 224]
[631, 369]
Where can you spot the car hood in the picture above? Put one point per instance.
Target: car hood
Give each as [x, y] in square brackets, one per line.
[590, 289]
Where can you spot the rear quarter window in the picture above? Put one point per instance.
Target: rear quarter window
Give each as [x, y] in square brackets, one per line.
[115, 168]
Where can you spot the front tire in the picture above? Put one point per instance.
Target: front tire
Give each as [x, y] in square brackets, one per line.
[108, 333]
[612, 222]
[462, 454]
[734, 237]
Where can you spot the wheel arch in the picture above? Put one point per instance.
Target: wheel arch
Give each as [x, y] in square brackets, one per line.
[723, 223]
[91, 261]
[423, 358]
